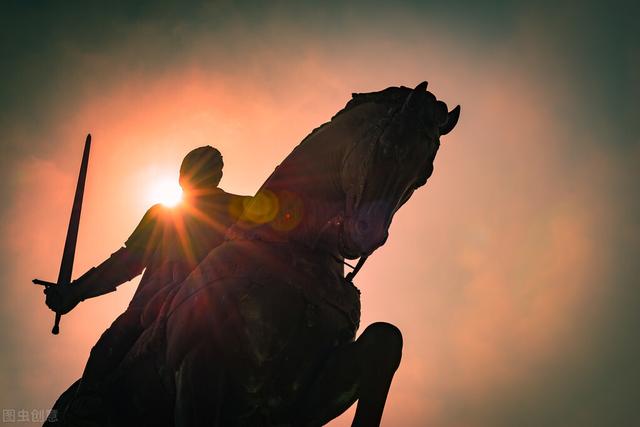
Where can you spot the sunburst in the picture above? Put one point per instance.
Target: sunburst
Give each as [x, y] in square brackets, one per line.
[165, 191]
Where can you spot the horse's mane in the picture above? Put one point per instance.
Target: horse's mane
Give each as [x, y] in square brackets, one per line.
[390, 95]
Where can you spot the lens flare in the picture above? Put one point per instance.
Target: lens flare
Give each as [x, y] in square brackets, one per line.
[165, 191]
[263, 208]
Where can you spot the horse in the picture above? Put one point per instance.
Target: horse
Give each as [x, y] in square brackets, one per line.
[263, 331]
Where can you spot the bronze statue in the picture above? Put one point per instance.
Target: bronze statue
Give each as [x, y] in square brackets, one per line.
[262, 332]
[167, 244]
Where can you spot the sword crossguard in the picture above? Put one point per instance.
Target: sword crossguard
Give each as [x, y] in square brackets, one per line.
[43, 283]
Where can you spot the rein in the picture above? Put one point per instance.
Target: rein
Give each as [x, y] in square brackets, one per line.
[339, 219]
[379, 131]
[349, 277]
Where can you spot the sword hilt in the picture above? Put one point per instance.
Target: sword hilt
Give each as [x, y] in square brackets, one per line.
[56, 324]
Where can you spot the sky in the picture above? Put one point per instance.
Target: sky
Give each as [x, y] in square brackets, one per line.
[513, 274]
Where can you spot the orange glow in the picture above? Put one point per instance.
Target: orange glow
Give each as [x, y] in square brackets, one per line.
[488, 270]
[165, 191]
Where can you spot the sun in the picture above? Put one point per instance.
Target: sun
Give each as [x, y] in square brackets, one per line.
[166, 191]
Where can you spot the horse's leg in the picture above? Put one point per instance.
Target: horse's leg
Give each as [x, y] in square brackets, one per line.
[380, 354]
[361, 371]
[199, 382]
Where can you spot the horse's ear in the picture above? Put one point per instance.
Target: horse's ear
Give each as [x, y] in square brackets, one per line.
[450, 123]
[415, 97]
[421, 87]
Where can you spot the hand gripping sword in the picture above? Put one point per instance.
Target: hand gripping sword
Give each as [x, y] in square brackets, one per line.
[66, 266]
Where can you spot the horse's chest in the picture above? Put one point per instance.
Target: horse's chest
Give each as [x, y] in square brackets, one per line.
[289, 329]
[278, 316]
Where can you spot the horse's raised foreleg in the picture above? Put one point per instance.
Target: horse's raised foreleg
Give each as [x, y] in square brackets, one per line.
[360, 371]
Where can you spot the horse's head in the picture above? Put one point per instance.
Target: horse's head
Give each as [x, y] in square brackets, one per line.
[394, 157]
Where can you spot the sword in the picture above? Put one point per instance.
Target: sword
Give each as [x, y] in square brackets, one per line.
[66, 265]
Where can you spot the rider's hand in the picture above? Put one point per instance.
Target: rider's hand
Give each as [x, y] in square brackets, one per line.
[61, 299]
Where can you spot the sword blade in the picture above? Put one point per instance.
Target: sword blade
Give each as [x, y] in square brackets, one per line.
[68, 255]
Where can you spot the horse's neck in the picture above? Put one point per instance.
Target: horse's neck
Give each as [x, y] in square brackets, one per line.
[313, 169]
[312, 175]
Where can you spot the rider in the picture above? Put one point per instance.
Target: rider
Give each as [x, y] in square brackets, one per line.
[168, 244]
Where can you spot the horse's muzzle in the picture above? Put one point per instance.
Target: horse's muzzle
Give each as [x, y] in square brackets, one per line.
[364, 234]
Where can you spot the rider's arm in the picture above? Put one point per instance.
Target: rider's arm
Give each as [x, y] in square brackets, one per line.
[126, 263]
[120, 267]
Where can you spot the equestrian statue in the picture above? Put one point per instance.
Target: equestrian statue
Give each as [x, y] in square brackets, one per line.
[262, 332]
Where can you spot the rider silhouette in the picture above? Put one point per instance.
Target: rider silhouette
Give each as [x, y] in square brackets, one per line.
[167, 244]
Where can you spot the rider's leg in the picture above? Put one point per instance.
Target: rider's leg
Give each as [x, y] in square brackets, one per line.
[199, 393]
[56, 415]
[361, 371]
[87, 403]
[110, 349]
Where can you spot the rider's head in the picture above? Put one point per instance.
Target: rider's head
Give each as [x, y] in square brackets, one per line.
[201, 169]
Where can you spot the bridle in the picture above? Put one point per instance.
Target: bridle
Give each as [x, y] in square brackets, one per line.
[355, 198]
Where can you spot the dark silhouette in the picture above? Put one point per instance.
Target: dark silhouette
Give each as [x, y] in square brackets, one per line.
[69, 252]
[262, 332]
[167, 244]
